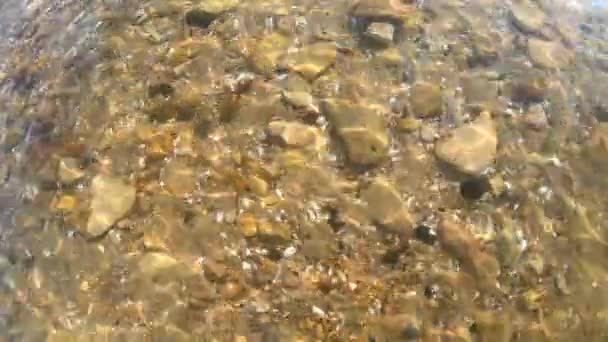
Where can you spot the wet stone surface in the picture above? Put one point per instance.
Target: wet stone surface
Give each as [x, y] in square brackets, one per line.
[239, 170]
[470, 148]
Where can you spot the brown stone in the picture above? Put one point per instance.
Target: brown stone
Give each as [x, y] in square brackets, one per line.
[470, 148]
[426, 99]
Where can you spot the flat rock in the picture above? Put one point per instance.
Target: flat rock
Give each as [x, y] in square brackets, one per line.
[382, 10]
[256, 111]
[155, 262]
[361, 129]
[381, 33]
[301, 100]
[457, 241]
[389, 57]
[470, 148]
[313, 60]
[69, 171]
[296, 134]
[209, 10]
[112, 200]
[179, 178]
[218, 6]
[385, 206]
[527, 16]
[425, 99]
[408, 124]
[273, 232]
[549, 55]
[267, 52]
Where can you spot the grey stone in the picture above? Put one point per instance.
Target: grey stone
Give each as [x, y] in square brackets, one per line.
[381, 32]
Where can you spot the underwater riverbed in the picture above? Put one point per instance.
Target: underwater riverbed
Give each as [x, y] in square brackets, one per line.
[303, 170]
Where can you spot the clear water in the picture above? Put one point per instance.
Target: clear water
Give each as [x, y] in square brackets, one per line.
[303, 170]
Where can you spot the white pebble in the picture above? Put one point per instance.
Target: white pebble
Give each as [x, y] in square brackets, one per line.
[318, 311]
[289, 252]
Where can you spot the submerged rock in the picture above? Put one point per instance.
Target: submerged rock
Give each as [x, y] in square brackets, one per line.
[313, 60]
[549, 55]
[480, 92]
[112, 200]
[296, 134]
[381, 33]
[69, 171]
[426, 100]
[527, 16]
[385, 207]
[155, 262]
[383, 10]
[536, 118]
[64, 203]
[209, 10]
[200, 18]
[485, 49]
[470, 148]
[273, 232]
[247, 224]
[301, 100]
[425, 234]
[179, 178]
[408, 124]
[462, 245]
[267, 52]
[361, 129]
[532, 86]
[475, 187]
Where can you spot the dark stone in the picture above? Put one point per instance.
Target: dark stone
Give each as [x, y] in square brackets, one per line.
[334, 219]
[391, 256]
[410, 332]
[601, 113]
[425, 234]
[431, 291]
[164, 89]
[202, 128]
[200, 18]
[474, 188]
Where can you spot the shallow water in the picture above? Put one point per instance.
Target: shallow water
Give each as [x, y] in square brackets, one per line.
[301, 170]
